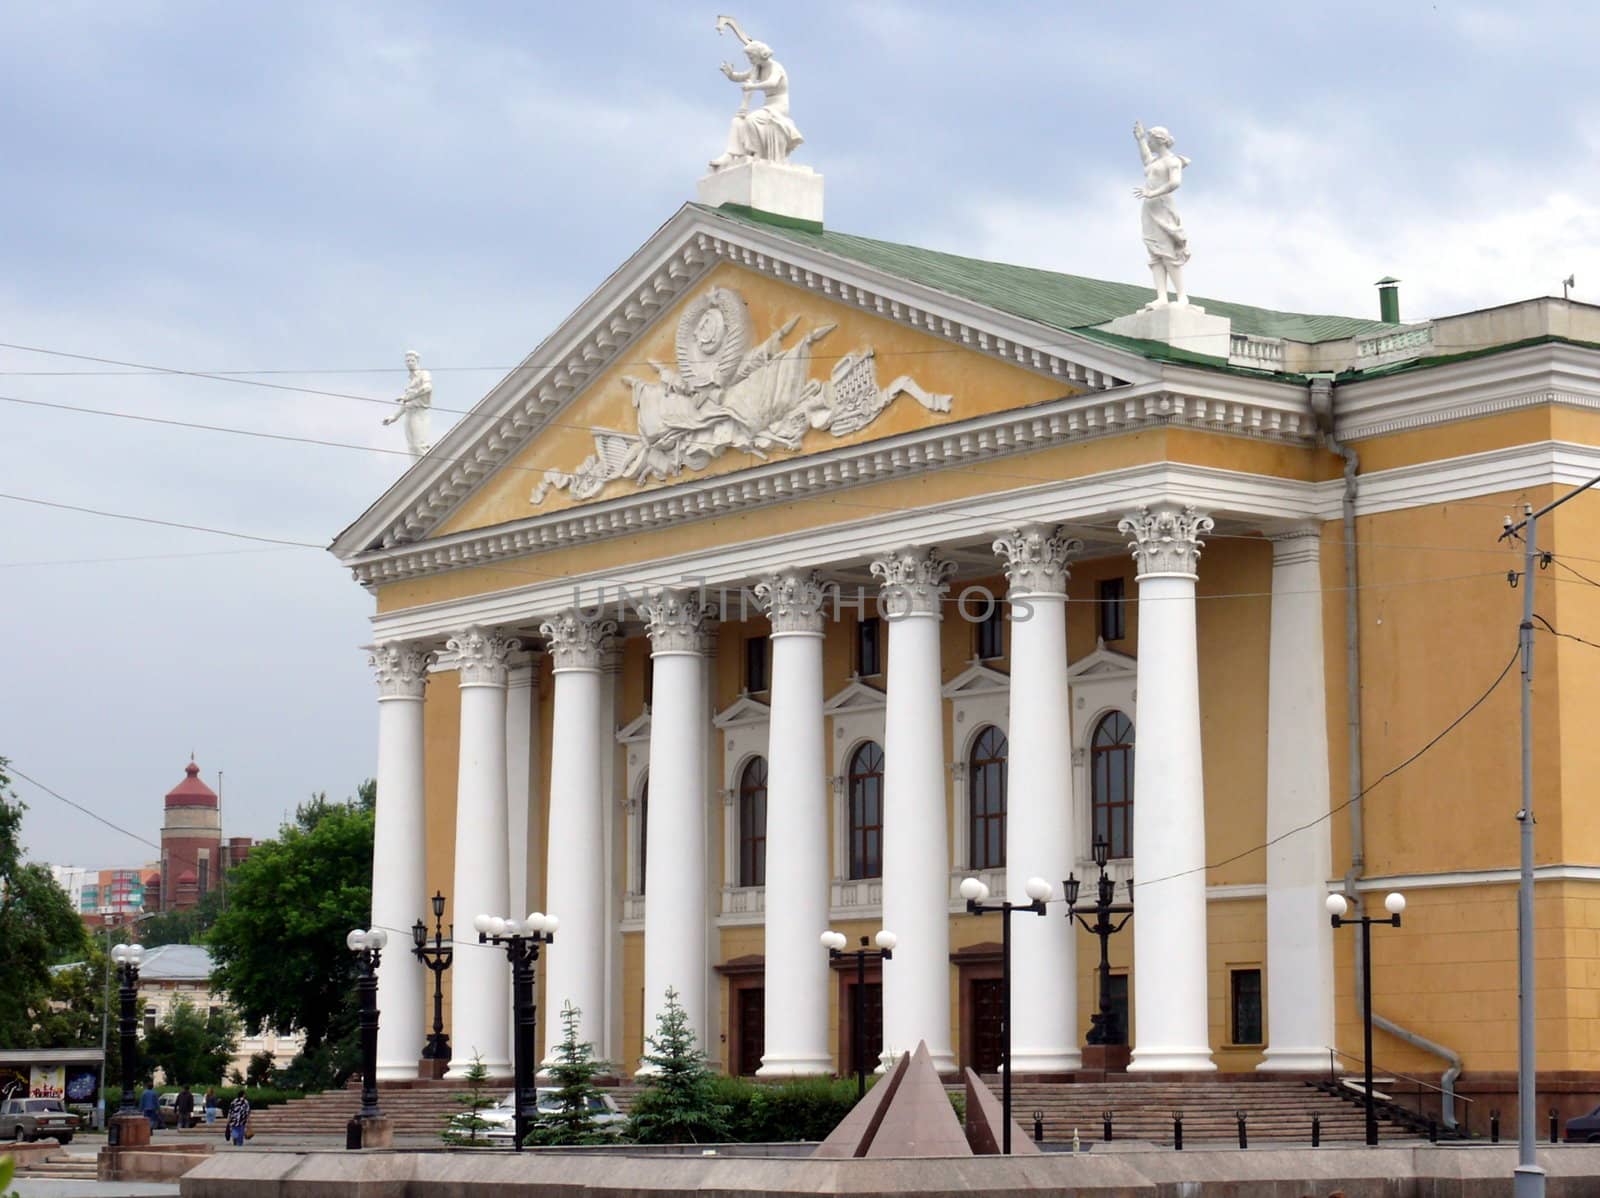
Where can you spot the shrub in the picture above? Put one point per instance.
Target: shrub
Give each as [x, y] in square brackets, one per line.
[803, 1109]
[572, 1075]
[464, 1128]
[260, 1070]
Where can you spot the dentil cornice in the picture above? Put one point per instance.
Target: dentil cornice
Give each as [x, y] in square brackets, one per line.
[481, 655]
[677, 621]
[577, 640]
[793, 600]
[1036, 559]
[913, 581]
[401, 669]
[1166, 538]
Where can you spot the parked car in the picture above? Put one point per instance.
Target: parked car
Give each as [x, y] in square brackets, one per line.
[502, 1116]
[1585, 1129]
[36, 1118]
[167, 1110]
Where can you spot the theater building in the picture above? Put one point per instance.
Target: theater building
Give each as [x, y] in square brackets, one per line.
[798, 575]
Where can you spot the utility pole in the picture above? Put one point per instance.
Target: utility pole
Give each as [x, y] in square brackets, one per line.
[1528, 1178]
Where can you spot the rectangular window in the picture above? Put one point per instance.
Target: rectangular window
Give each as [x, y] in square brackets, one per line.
[1112, 597]
[1117, 1029]
[149, 1020]
[205, 871]
[757, 664]
[991, 633]
[1245, 987]
[869, 647]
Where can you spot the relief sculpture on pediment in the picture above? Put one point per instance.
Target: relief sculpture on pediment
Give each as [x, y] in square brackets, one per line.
[723, 392]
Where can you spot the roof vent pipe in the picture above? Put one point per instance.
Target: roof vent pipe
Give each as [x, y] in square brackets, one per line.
[1389, 300]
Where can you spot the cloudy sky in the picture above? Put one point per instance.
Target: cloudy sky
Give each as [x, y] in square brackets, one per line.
[300, 192]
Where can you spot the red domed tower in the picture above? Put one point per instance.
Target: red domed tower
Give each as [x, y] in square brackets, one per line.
[191, 841]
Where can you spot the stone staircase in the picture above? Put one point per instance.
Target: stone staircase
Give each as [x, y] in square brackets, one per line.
[59, 1166]
[1276, 1112]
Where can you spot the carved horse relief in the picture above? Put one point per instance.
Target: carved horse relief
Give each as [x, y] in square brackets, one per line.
[725, 394]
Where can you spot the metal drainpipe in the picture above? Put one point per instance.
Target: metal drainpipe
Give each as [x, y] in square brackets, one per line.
[1322, 411]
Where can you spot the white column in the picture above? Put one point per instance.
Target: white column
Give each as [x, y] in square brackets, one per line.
[1299, 937]
[480, 979]
[575, 869]
[522, 763]
[675, 953]
[916, 851]
[399, 868]
[1039, 830]
[1171, 1019]
[797, 969]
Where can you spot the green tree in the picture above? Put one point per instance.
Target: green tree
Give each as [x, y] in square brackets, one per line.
[182, 927]
[466, 1127]
[261, 1070]
[278, 950]
[193, 1047]
[680, 1104]
[38, 927]
[573, 1073]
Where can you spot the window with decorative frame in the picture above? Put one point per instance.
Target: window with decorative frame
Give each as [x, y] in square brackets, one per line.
[1111, 783]
[986, 799]
[753, 823]
[864, 784]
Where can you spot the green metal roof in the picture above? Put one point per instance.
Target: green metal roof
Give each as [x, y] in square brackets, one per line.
[1067, 302]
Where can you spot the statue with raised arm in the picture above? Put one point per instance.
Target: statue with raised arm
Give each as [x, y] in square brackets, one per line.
[414, 406]
[1158, 220]
[767, 134]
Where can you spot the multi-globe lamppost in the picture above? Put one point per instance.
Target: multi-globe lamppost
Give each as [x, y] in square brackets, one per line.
[437, 957]
[1105, 925]
[835, 943]
[521, 938]
[1393, 903]
[977, 893]
[368, 945]
[128, 958]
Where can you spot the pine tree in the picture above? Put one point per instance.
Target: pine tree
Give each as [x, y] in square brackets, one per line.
[465, 1127]
[680, 1104]
[573, 1074]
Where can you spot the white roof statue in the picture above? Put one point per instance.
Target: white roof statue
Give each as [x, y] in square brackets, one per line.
[754, 170]
[415, 403]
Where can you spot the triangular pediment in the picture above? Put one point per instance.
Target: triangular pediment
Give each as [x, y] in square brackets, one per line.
[977, 679]
[834, 353]
[1103, 663]
[855, 696]
[636, 730]
[743, 710]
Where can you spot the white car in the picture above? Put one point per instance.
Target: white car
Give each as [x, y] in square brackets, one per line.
[501, 1117]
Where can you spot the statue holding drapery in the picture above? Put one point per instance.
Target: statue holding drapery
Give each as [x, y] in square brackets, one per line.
[766, 134]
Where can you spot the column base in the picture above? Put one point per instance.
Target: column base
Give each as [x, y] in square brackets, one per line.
[1046, 1061]
[944, 1061]
[1172, 1060]
[129, 1129]
[1107, 1058]
[396, 1071]
[458, 1069]
[430, 1068]
[795, 1066]
[1294, 1060]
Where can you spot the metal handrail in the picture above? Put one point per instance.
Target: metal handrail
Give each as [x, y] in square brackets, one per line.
[1421, 1085]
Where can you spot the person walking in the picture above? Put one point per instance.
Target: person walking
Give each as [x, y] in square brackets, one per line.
[185, 1105]
[150, 1107]
[238, 1119]
[211, 1105]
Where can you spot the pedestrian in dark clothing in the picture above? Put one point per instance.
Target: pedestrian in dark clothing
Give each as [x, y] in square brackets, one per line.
[238, 1119]
[185, 1105]
[150, 1107]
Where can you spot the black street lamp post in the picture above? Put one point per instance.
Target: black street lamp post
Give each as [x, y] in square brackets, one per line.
[521, 938]
[128, 958]
[977, 893]
[368, 947]
[1105, 925]
[835, 943]
[1338, 905]
[437, 958]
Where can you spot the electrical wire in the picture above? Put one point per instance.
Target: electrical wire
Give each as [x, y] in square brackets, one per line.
[1551, 628]
[221, 532]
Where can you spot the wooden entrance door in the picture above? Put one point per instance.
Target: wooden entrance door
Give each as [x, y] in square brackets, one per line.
[751, 1015]
[987, 1020]
[872, 1021]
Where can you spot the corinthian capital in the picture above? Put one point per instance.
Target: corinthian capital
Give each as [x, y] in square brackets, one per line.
[677, 621]
[913, 581]
[401, 669]
[793, 600]
[481, 655]
[1036, 559]
[577, 640]
[1166, 538]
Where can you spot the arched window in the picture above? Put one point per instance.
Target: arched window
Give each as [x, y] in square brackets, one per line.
[753, 823]
[1111, 783]
[644, 829]
[986, 799]
[866, 811]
